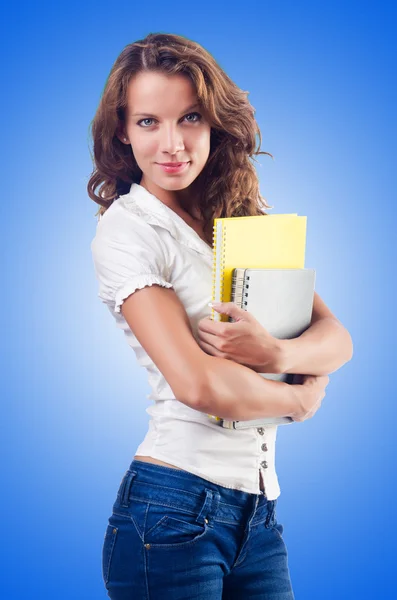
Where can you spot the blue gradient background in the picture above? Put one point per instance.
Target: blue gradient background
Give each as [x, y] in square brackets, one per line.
[323, 81]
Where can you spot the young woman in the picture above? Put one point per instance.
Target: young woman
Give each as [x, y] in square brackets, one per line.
[194, 515]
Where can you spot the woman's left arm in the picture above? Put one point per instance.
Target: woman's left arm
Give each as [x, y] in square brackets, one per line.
[320, 350]
[323, 348]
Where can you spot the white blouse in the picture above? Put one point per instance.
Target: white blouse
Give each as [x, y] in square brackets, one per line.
[139, 242]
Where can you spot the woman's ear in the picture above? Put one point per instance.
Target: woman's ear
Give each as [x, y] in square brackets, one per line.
[122, 137]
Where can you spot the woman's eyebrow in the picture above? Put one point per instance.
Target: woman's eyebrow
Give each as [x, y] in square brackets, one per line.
[155, 117]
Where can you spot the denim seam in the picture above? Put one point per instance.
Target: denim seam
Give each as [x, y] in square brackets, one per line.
[130, 518]
[140, 499]
[112, 535]
[182, 544]
[145, 561]
[274, 528]
[162, 488]
[215, 519]
[177, 506]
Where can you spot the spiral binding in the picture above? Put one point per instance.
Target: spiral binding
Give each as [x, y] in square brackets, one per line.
[215, 245]
[222, 246]
[246, 286]
[213, 266]
[240, 285]
[237, 288]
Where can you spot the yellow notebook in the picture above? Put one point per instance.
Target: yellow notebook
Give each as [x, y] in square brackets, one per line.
[254, 242]
[263, 241]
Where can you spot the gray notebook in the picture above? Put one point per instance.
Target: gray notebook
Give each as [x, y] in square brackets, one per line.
[282, 301]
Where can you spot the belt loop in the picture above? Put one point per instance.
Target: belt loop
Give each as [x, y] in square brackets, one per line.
[271, 508]
[210, 506]
[126, 487]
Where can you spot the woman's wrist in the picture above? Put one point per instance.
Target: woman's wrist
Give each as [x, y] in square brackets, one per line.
[295, 399]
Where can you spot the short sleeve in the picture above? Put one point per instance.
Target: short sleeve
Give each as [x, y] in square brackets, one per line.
[128, 255]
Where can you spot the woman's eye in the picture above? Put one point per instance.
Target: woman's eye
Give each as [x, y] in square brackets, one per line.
[144, 122]
[195, 114]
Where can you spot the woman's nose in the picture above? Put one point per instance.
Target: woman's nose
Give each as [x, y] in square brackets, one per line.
[171, 140]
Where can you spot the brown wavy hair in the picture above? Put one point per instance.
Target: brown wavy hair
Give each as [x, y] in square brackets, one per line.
[228, 184]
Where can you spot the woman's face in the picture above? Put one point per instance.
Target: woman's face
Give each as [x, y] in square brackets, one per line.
[165, 124]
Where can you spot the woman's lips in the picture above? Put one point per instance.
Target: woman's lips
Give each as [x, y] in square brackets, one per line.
[174, 168]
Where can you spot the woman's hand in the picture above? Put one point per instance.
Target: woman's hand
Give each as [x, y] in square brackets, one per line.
[309, 396]
[244, 341]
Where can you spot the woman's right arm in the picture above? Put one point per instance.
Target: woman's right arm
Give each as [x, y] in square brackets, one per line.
[206, 383]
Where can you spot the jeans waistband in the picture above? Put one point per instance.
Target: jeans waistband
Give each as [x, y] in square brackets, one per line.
[187, 491]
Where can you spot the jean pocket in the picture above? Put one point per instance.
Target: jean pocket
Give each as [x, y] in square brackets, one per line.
[172, 526]
[107, 551]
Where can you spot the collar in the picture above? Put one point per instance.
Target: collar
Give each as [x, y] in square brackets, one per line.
[155, 212]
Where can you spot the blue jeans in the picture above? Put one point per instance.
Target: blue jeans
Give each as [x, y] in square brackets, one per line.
[174, 535]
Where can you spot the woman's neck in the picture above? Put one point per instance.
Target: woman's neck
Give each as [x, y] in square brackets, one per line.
[183, 202]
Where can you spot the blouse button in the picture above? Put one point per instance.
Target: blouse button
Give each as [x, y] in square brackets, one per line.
[260, 430]
[264, 464]
[264, 447]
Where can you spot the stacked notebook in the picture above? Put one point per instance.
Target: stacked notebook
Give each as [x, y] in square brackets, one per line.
[259, 265]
